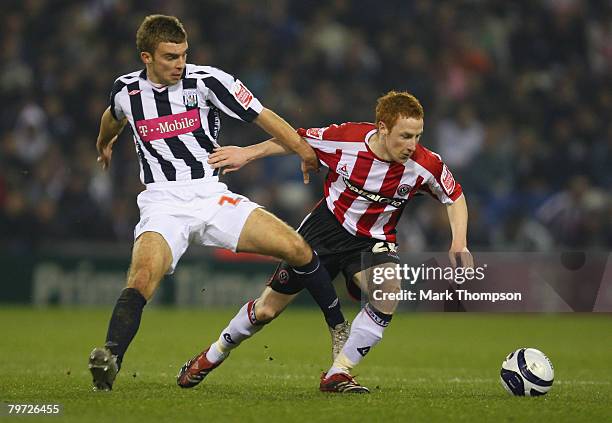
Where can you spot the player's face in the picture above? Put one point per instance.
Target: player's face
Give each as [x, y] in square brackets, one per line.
[402, 140]
[166, 64]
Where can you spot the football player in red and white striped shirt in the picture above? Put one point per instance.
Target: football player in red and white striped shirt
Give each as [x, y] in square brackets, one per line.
[374, 171]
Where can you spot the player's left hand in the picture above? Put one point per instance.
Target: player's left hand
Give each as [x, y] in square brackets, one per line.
[230, 157]
[461, 257]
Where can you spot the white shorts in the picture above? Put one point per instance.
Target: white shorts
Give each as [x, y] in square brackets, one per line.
[206, 213]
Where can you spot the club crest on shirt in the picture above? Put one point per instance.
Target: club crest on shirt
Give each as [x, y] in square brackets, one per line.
[342, 169]
[190, 98]
[403, 190]
[448, 181]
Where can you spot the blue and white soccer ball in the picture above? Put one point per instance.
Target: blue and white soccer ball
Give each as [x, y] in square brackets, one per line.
[527, 372]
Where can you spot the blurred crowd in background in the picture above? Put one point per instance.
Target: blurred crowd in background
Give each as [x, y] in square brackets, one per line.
[517, 98]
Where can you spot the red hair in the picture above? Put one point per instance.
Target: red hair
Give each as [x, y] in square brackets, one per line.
[395, 104]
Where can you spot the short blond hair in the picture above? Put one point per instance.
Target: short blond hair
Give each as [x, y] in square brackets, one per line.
[156, 29]
[394, 104]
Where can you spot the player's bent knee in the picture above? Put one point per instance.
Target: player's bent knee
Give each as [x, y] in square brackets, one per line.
[142, 281]
[298, 252]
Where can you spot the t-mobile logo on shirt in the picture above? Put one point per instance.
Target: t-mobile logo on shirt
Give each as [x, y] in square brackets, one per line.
[168, 126]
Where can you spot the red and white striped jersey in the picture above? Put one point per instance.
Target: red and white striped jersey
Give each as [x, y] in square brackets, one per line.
[367, 194]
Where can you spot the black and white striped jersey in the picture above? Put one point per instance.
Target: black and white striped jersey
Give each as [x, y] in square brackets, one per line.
[176, 127]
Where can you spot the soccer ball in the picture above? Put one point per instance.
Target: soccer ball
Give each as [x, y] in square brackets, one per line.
[527, 372]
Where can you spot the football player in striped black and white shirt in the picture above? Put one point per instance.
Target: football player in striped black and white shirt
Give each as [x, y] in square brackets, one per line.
[173, 110]
[375, 169]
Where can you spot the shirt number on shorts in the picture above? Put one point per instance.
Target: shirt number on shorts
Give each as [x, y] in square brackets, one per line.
[225, 199]
[384, 247]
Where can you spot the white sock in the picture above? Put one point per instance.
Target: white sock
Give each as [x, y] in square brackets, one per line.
[366, 331]
[241, 327]
[214, 353]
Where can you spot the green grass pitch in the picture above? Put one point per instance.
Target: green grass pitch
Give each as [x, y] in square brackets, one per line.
[429, 367]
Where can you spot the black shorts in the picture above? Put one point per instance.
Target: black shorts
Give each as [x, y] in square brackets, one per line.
[338, 250]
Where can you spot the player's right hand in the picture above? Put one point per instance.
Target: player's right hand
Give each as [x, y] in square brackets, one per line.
[310, 163]
[461, 257]
[230, 157]
[106, 153]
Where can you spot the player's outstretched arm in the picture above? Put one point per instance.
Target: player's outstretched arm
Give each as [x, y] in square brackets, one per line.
[289, 138]
[458, 219]
[110, 128]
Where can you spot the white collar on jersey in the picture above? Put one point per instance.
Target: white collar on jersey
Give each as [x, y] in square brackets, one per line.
[369, 135]
[155, 85]
[143, 75]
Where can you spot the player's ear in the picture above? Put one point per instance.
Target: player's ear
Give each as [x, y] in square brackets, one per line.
[382, 128]
[146, 57]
